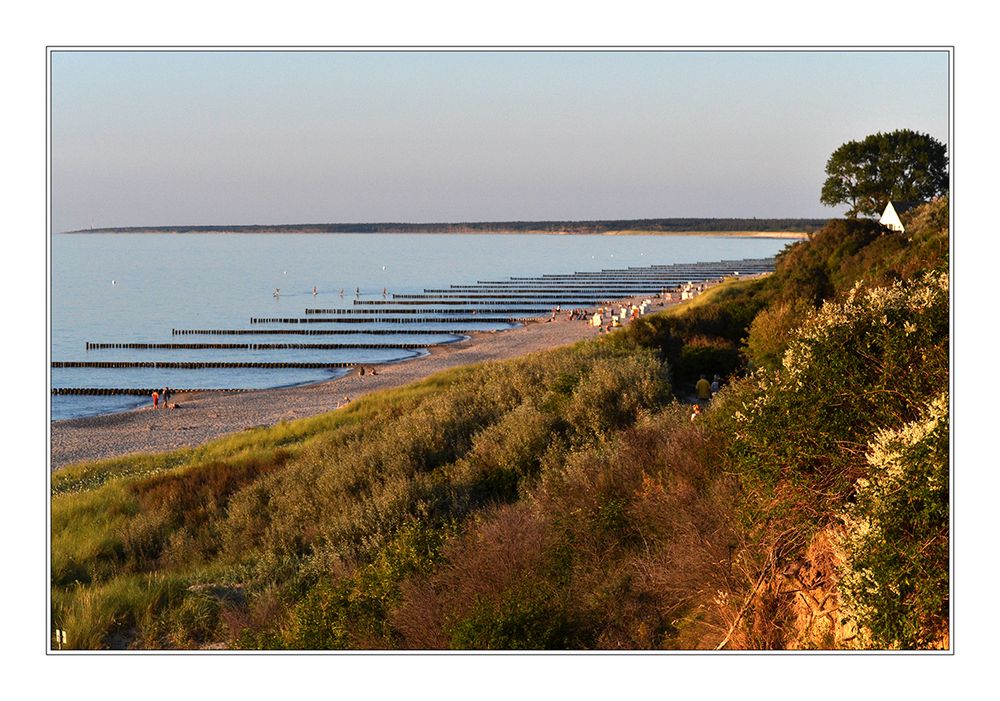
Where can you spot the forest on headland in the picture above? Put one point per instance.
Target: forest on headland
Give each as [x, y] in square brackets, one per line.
[665, 226]
[567, 499]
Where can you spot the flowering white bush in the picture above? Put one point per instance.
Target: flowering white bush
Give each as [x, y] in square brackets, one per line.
[858, 414]
[895, 579]
[854, 367]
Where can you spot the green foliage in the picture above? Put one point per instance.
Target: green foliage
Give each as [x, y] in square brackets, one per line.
[614, 394]
[317, 515]
[558, 500]
[352, 611]
[856, 366]
[524, 617]
[771, 332]
[900, 166]
[702, 337]
[703, 355]
[895, 578]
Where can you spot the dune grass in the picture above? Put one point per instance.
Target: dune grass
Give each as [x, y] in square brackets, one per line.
[563, 499]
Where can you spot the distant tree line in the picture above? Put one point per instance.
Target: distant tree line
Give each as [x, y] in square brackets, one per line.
[580, 227]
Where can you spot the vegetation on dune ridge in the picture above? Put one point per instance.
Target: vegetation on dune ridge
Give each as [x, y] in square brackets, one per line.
[565, 499]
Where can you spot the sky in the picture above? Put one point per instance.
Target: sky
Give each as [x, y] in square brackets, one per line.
[159, 138]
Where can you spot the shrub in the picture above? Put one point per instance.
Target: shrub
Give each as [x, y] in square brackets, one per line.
[526, 616]
[353, 611]
[771, 332]
[855, 367]
[615, 393]
[895, 579]
[706, 356]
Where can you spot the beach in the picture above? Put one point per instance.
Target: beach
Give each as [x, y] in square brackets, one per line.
[203, 416]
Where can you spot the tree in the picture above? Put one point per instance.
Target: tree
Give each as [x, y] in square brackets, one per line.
[901, 166]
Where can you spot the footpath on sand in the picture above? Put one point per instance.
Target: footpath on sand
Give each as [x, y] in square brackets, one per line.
[203, 416]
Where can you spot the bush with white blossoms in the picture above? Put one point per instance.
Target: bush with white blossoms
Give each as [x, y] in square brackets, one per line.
[856, 366]
[857, 414]
[895, 577]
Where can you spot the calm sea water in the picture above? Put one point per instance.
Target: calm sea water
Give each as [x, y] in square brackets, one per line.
[124, 288]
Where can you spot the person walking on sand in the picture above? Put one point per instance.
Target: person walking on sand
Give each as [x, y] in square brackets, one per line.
[165, 396]
[704, 389]
[156, 398]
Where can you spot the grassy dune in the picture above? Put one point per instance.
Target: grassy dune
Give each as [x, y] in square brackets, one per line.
[565, 499]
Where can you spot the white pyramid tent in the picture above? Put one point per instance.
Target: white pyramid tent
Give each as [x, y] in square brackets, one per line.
[891, 219]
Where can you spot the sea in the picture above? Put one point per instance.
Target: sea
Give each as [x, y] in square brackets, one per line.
[139, 288]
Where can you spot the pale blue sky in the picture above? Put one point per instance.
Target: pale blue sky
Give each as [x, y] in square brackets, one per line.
[160, 138]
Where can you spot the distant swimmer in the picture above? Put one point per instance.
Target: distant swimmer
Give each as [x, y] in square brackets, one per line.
[114, 282]
[277, 292]
[314, 291]
[384, 291]
[383, 267]
[357, 291]
[341, 291]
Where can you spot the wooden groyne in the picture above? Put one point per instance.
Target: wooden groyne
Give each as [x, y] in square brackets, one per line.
[597, 296]
[259, 346]
[138, 391]
[500, 303]
[195, 365]
[552, 289]
[539, 308]
[492, 303]
[315, 332]
[387, 320]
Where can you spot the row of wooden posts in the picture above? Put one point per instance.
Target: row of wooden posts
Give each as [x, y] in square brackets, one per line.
[510, 301]
[258, 346]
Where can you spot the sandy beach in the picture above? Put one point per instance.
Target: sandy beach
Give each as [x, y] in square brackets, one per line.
[203, 416]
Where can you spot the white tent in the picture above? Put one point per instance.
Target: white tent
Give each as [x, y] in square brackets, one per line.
[891, 219]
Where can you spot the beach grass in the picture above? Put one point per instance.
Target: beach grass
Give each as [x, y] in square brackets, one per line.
[562, 499]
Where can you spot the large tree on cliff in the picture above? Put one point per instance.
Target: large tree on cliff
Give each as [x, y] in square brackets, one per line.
[902, 166]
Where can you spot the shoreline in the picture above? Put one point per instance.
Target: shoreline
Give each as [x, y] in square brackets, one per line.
[797, 235]
[204, 416]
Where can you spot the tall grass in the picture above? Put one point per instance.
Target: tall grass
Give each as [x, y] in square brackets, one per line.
[561, 499]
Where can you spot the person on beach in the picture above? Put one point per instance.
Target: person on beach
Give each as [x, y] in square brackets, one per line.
[156, 398]
[165, 396]
[704, 389]
[362, 371]
[372, 372]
